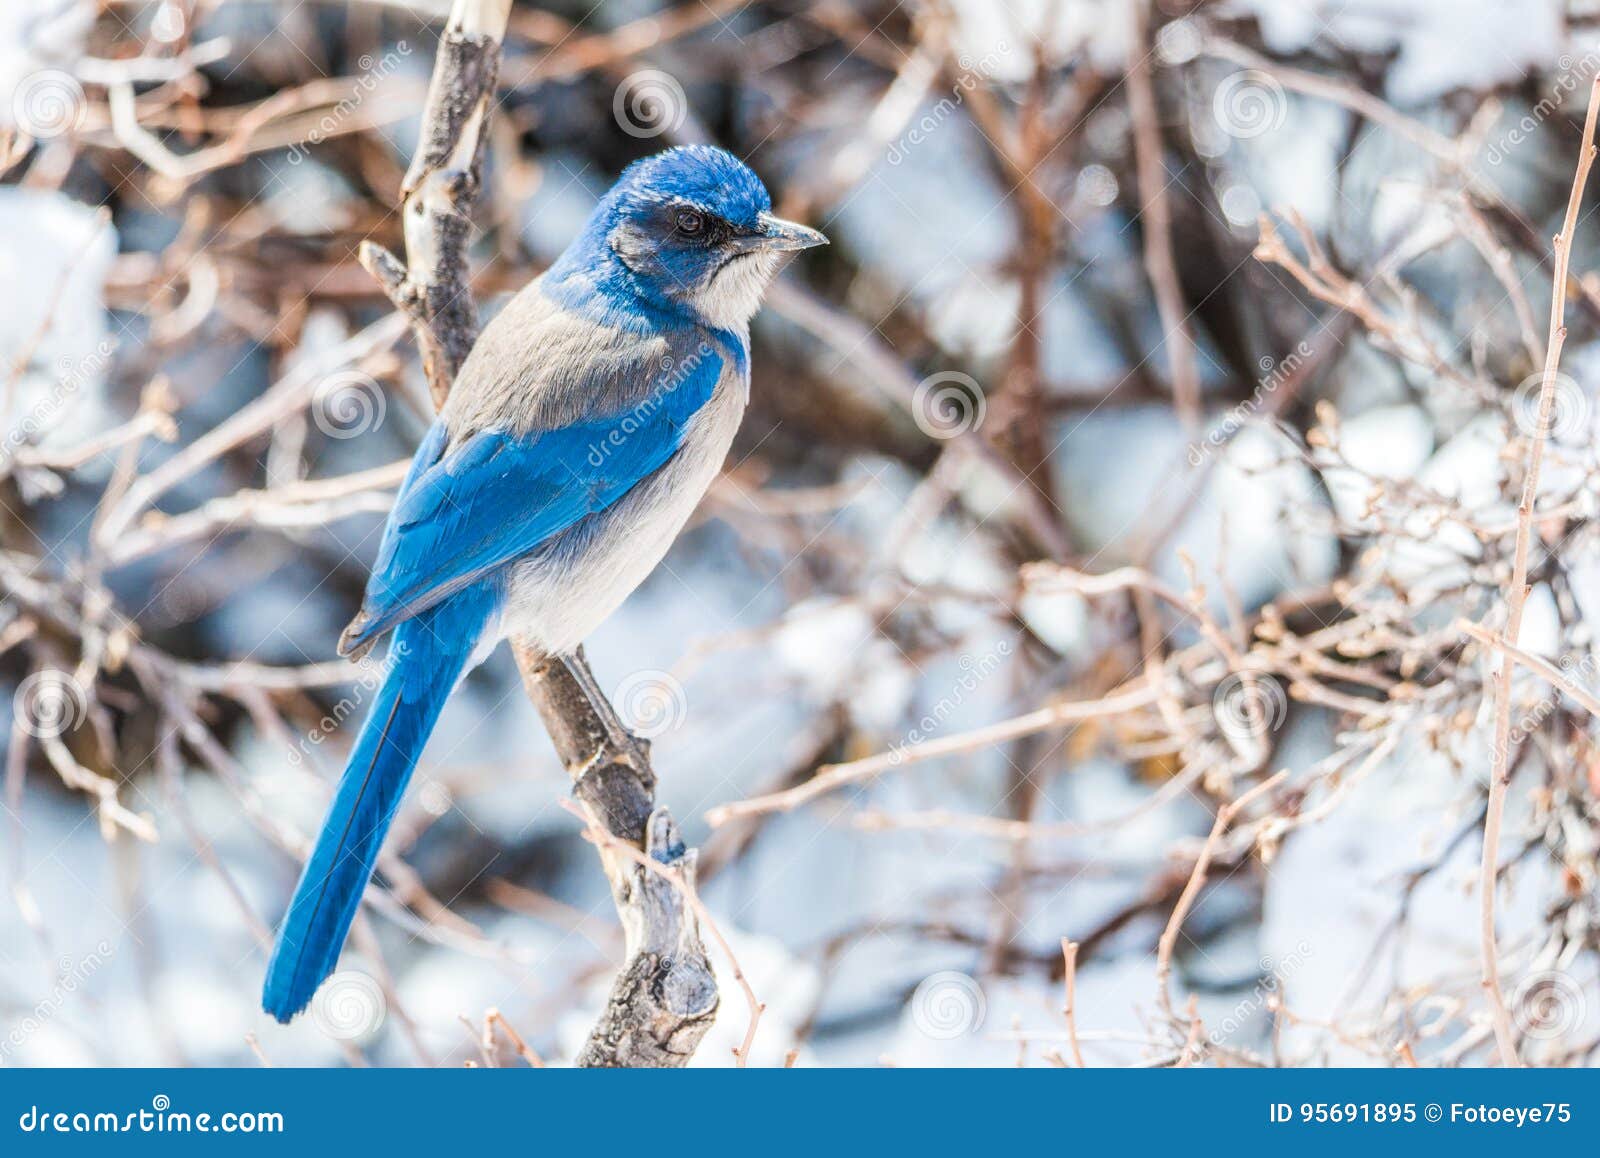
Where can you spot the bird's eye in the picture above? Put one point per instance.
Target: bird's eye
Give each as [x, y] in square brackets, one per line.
[690, 223]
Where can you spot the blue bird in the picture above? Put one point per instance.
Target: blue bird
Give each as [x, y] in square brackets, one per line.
[582, 431]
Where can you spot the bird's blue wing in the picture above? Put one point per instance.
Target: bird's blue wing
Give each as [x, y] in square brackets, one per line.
[499, 495]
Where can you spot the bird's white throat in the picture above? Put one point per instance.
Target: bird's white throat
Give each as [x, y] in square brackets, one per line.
[733, 296]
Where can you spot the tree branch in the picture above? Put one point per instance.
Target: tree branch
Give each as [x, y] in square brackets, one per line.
[1517, 596]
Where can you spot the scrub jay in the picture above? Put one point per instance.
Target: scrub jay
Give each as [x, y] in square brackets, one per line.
[583, 429]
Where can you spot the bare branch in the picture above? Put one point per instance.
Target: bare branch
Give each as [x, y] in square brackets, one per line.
[1517, 596]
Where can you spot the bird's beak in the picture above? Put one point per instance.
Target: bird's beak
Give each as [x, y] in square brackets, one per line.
[783, 236]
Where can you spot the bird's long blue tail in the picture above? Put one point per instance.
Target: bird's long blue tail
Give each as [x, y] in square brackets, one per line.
[425, 659]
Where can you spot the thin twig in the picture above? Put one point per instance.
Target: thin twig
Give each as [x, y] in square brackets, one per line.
[1517, 595]
[1156, 221]
[832, 776]
[1069, 1010]
[1197, 879]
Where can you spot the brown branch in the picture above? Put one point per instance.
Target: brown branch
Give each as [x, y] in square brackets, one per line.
[831, 776]
[665, 997]
[1156, 213]
[1197, 879]
[1069, 1009]
[1517, 595]
[1543, 668]
[440, 190]
[680, 874]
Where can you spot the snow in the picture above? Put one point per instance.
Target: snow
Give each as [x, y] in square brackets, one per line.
[1235, 521]
[1385, 442]
[61, 331]
[1439, 45]
[995, 36]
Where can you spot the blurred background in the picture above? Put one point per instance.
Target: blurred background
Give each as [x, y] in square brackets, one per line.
[1099, 561]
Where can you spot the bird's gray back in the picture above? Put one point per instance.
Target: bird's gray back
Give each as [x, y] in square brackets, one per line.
[538, 366]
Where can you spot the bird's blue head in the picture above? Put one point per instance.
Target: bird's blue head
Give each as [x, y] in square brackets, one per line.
[690, 229]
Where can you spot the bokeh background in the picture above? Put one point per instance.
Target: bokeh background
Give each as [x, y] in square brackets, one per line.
[1119, 499]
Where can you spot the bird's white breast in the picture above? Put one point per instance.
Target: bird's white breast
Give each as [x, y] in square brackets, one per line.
[571, 584]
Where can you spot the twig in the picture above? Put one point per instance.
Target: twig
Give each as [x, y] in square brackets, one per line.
[1549, 672]
[1156, 215]
[1517, 595]
[1197, 879]
[831, 776]
[1069, 1010]
[493, 1018]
